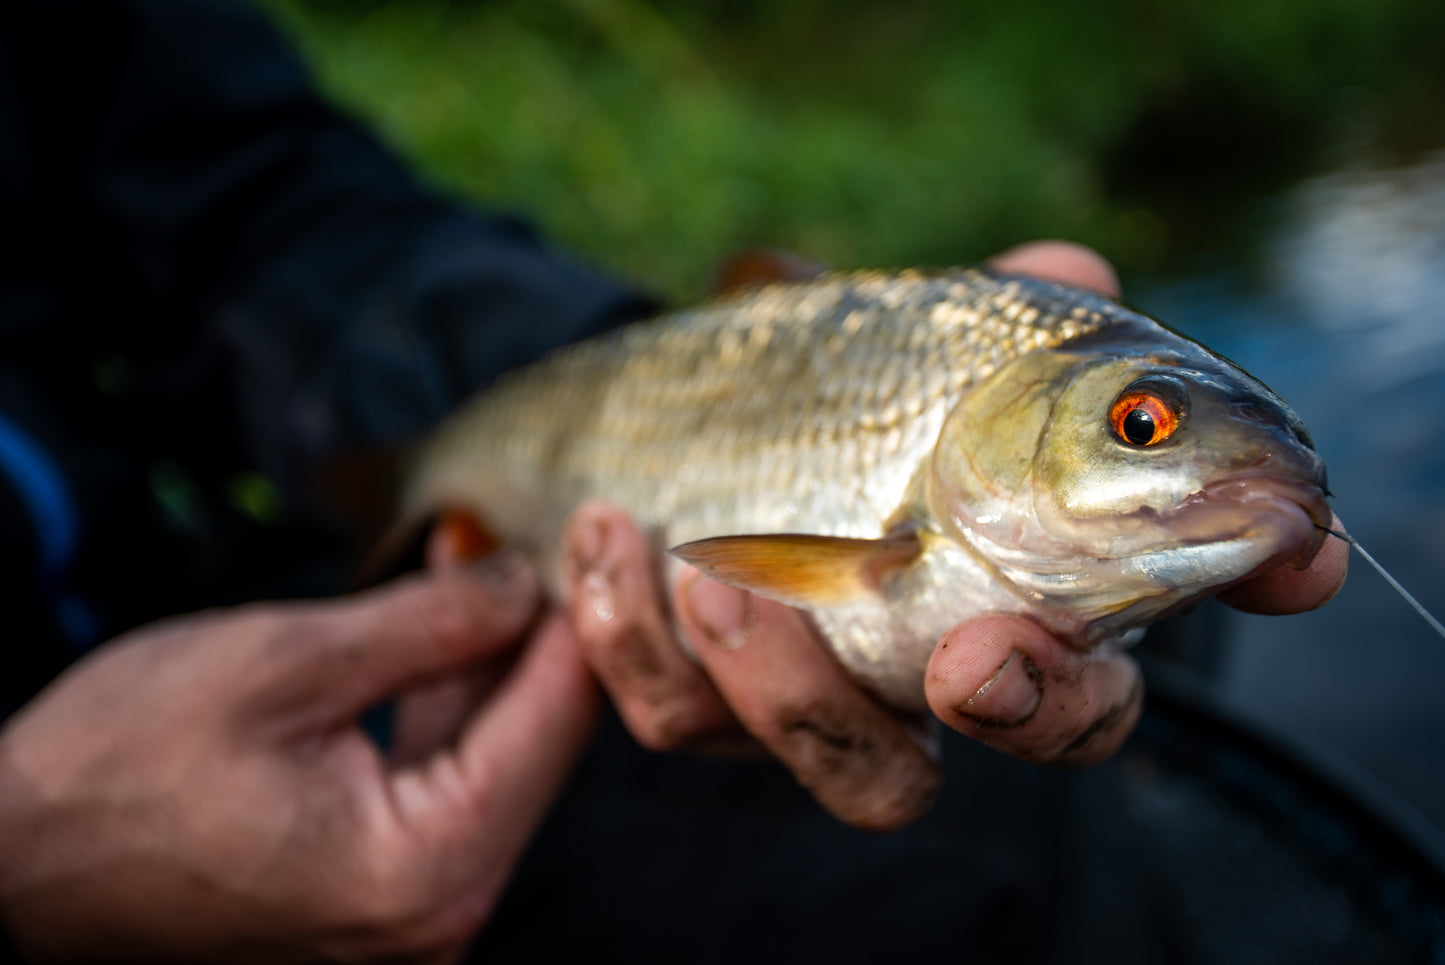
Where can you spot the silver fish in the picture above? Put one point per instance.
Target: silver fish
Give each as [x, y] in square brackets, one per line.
[896, 452]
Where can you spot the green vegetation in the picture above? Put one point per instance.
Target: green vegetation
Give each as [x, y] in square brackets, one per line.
[656, 136]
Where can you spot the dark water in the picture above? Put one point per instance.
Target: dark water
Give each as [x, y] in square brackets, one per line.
[1347, 322]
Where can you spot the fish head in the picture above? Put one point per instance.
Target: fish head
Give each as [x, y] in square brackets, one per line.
[1125, 476]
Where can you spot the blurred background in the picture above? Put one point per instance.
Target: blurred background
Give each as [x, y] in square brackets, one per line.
[655, 135]
[1268, 177]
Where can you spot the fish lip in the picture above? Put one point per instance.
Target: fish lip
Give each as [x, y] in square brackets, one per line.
[1300, 507]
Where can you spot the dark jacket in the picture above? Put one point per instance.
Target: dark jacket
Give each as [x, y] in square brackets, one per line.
[210, 281]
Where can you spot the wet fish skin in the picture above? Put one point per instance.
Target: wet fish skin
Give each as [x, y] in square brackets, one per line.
[961, 412]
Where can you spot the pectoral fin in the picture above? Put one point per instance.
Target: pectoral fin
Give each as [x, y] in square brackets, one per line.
[806, 571]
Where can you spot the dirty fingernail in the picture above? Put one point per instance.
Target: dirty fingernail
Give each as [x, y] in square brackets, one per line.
[1009, 698]
[591, 576]
[723, 613]
[597, 590]
[586, 542]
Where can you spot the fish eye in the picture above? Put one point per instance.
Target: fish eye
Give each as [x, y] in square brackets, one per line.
[1148, 412]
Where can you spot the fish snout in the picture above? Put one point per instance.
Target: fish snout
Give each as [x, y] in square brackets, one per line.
[1294, 506]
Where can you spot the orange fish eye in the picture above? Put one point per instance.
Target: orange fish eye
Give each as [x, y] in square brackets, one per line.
[1144, 418]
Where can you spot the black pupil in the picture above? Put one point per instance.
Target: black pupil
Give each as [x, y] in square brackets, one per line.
[1139, 427]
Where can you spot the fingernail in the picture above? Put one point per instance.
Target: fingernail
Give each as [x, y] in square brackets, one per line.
[597, 590]
[1009, 698]
[592, 578]
[586, 542]
[723, 613]
[506, 573]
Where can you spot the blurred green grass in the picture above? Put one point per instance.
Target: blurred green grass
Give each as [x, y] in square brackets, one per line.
[656, 136]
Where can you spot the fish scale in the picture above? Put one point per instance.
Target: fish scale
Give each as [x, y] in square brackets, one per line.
[808, 408]
[844, 357]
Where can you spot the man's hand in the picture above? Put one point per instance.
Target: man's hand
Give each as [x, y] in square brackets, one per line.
[200, 790]
[761, 671]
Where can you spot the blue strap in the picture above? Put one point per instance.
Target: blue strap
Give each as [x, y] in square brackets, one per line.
[56, 523]
[43, 489]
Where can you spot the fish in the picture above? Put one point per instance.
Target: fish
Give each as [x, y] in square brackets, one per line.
[898, 451]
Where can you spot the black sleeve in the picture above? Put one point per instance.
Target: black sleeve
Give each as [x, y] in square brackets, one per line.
[8, 951]
[186, 202]
[207, 274]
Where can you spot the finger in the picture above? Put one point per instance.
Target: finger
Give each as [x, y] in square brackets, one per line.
[511, 761]
[1061, 261]
[430, 715]
[1283, 590]
[1006, 682]
[334, 659]
[792, 695]
[617, 609]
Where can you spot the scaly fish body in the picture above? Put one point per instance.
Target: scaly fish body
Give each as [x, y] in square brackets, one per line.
[939, 445]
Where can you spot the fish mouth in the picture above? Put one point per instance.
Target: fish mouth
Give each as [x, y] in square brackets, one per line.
[1293, 514]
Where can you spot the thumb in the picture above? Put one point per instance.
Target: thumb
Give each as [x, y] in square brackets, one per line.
[513, 758]
[335, 659]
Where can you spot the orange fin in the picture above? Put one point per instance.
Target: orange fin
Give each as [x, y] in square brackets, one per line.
[758, 267]
[450, 536]
[800, 570]
[459, 538]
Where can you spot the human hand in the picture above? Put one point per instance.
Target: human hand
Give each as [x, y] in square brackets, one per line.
[200, 790]
[999, 679]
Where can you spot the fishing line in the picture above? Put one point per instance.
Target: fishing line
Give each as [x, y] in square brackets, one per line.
[1425, 614]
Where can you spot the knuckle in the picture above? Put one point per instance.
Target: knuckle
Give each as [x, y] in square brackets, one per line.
[1095, 738]
[648, 674]
[816, 722]
[822, 746]
[583, 526]
[817, 709]
[678, 709]
[865, 770]
[665, 714]
[598, 541]
[630, 658]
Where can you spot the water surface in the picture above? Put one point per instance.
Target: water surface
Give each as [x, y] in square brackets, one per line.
[1346, 320]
